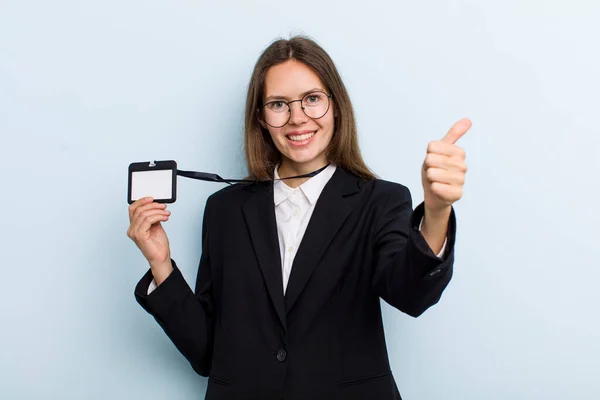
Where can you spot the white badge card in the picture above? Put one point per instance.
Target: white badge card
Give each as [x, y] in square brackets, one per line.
[157, 179]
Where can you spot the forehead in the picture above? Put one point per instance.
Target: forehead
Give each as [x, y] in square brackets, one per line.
[290, 79]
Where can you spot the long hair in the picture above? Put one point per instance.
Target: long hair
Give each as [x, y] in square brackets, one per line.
[261, 154]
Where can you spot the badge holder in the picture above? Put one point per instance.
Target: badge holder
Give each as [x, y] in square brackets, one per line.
[158, 179]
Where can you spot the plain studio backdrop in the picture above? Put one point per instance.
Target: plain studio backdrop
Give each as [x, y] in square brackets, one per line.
[88, 87]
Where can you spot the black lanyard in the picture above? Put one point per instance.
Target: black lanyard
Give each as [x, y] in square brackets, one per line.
[205, 176]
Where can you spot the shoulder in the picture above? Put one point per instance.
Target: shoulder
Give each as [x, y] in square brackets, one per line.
[229, 192]
[388, 187]
[375, 196]
[383, 201]
[234, 195]
[382, 191]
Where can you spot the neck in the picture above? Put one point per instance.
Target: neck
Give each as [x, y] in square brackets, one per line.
[289, 168]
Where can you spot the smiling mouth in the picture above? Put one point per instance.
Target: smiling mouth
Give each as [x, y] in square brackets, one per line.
[302, 137]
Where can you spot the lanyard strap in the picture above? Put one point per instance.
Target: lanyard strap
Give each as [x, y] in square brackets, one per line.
[205, 176]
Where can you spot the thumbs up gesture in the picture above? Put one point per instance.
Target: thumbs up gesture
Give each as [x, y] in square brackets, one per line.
[444, 168]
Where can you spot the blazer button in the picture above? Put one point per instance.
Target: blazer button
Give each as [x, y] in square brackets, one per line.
[281, 355]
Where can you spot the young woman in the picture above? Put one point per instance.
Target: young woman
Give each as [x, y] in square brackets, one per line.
[287, 298]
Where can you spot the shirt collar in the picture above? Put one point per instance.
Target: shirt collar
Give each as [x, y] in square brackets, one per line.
[312, 188]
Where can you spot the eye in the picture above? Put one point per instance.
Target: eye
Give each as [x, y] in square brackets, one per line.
[276, 105]
[314, 99]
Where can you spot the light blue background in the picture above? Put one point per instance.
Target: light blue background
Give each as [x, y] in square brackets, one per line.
[88, 87]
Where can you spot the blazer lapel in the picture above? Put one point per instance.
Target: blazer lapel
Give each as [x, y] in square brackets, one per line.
[259, 214]
[329, 214]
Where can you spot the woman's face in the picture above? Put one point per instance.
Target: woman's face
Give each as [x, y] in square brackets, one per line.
[303, 141]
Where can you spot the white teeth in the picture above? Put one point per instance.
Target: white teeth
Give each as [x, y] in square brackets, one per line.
[299, 138]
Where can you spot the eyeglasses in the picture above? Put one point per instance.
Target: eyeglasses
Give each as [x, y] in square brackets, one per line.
[277, 113]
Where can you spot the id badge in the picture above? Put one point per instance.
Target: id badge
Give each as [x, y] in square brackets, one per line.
[156, 179]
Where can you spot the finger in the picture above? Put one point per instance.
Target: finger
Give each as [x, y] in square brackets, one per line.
[137, 204]
[433, 160]
[457, 131]
[138, 225]
[445, 176]
[138, 219]
[141, 231]
[445, 149]
[146, 207]
[150, 220]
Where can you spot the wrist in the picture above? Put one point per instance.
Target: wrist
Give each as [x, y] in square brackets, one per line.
[442, 213]
[161, 271]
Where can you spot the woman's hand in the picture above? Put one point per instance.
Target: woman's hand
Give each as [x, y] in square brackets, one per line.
[146, 231]
[444, 169]
[443, 177]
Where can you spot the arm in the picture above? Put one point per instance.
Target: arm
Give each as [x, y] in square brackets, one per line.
[186, 318]
[407, 273]
[434, 228]
[439, 253]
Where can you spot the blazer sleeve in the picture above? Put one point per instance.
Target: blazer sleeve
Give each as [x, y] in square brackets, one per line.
[407, 274]
[186, 318]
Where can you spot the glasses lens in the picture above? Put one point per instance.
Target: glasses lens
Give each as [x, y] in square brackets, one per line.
[315, 104]
[276, 113]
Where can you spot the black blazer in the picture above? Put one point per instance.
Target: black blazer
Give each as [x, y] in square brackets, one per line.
[324, 339]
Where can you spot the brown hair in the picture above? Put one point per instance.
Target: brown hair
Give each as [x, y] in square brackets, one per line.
[261, 153]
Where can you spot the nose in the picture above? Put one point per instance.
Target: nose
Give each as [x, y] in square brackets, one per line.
[297, 116]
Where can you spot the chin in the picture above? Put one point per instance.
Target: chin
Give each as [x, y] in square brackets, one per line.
[304, 158]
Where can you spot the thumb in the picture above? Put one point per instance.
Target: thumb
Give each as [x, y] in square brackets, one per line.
[457, 131]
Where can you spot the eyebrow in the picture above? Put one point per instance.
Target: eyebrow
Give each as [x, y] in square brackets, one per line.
[276, 97]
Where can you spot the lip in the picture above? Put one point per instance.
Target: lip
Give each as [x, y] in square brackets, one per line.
[300, 132]
[303, 142]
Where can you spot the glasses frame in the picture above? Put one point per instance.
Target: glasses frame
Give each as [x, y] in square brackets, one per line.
[287, 103]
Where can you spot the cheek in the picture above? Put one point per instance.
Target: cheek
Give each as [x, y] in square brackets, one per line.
[328, 124]
[275, 134]
[277, 138]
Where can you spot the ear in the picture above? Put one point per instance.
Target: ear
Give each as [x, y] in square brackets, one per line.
[260, 120]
